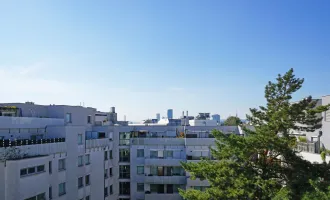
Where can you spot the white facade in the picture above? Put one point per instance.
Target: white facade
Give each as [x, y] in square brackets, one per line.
[196, 122]
[58, 162]
[70, 153]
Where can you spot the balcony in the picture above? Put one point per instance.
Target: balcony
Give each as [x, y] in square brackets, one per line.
[310, 147]
[157, 141]
[163, 162]
[94, 143]
[197, 182]
[14, 143]
[38, 149]
[197, 158]
[157, 196]
[165, 179]
[200, 141]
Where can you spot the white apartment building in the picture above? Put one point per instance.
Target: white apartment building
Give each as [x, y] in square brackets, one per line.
[55, 152]
[77, 153]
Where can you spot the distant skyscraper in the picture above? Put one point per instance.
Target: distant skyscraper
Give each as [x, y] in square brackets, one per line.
[216, 117]
[170, 113]
[158, 116]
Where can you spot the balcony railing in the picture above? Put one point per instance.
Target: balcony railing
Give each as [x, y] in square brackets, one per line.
[162, 196]
[198, 157]
[157, 141]
[163, 162]
[165, 179]
[98, 143]
[13, 143]
[308, 147]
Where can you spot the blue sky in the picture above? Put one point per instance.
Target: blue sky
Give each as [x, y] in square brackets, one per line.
[146, 56]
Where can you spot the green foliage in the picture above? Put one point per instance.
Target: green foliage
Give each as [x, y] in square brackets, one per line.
[324, 153]
[232, 121]
[321, 191]
[259, 165]
[302, 139]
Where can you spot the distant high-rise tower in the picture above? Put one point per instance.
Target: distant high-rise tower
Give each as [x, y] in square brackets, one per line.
[170, 113]
[216, 117]
[158, 117]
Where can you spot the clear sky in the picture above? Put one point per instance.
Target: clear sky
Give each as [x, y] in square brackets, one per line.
[146, 56]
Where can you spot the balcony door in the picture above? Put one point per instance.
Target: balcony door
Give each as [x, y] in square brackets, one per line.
[160, 171]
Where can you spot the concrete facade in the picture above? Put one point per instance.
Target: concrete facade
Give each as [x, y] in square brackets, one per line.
[114, 161]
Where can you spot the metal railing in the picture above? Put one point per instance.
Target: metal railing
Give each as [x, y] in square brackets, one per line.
[13, 143]
[311, 147]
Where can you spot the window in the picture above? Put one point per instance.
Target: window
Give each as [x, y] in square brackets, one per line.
[124, 138]
[169, 154]
[110, 154]
[61, 164]
[169, 188]
[80, 139]
[101, 135]
[124, 171]
[110, 171]
[23, 172]
[68, 118]
[80, 182]
[111, 191]
[50, 192]
[124, 155]
[41, 196]
[140, 187]
[41, 168]
[176, 188]
[87, 181]
[80, 161]
[87, 197]
[153, 154]
[178, 171]
[31, 170]
[105, 155]
[50, 167]
[140, 153]
[157, 188]
[327, 116]
[105, 173]
[61, 189]
[140, 170]
[106, 192]
[161, 154]
[87, 159]
[154, 170]
[89, 119]
[124, 188]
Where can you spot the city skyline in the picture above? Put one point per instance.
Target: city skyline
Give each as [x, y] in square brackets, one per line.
[145, 57]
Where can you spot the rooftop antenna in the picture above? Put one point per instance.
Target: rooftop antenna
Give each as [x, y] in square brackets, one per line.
[124, 118]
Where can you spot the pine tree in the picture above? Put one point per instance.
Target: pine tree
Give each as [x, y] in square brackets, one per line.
[264, 164]
[232, 121]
